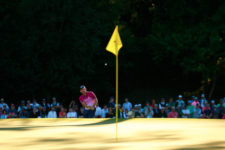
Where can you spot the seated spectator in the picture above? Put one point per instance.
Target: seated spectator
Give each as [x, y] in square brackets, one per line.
[148, 111]
[163, 113]
[139, 114]
[186, 112]
[197, 111]
[2, 104]
[156, 111]
[98, 112]
[191, 108]
[71, 113]
[43, 113]
[12, 112]
[207, 113]
[111, 103]
[4, 115]
[52, 113]
[110, 113]
[23, 113]
[180, 101]
[162, 103]
[125, 114]
[62, 113]
[131, 113]
[195, 102]
[104, 111]
[179, 111]
[173, 113]
[127, 105]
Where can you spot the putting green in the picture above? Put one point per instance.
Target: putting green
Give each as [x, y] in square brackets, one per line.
[99, 134]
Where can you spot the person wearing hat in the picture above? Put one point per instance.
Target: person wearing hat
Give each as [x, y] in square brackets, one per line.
[180, 101]
[203, 100]
[2, 104]
[89, 101]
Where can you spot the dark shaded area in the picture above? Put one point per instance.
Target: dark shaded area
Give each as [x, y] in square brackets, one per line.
[48, 48]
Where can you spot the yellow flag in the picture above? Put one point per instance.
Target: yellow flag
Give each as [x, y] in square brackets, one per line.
[115, 43]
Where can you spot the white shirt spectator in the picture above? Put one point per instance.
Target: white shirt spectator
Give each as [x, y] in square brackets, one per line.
[98, 111]
[185, 112]
[104, 112]
[127, 105]
[72, 114]
[52, 114]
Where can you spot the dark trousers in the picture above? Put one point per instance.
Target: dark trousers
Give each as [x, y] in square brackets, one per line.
[89, 113]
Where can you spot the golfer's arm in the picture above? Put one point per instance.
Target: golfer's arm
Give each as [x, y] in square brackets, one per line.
[96, 102]
[84, 104]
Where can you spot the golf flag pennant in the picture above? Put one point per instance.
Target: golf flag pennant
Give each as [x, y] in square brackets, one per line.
[115, 43]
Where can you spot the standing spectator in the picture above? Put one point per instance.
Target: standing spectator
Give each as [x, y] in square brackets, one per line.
[12, 112]
[98, 112]
[156, 111]
[186, 112]
[29, 103]
[35, 104]
[2, 104]
[162, 103]
[56, 105]
[203, 101]
[44, 104]
[180, 101]
[52, 113]
[195, 102]
[71, 113]
[153, 103]
[104, 111]
[127, 105]
[89, 101]
[173, 113]
[190, 107]
[22, 106]
[62, 113]
[197, 111]
[162, 113]
[111, 103]
[171, 103]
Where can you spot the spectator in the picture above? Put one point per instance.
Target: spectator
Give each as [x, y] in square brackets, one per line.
[222, 103]
[6, 109]
[71, 113]
[197, 111]
[2, 104]
[62, 113]
[35, 113]
[163, 113]
[148, 111]
[35, 104]
[186, 112]
[104, 111]
[195, 102]
[156, 111]
[215, 112]
[131, 113]
[43, 112]
[54, 103]
[29, 110]
[23, 113]
[29, 103]
[98, 112]
[153, 103]
[180, 101]
[162, 103]
[207, 112]
[72, 104]
[4, 115]
[191, 108]
[44, 104]
[221, 110]
[212, 104]
[127, 105]
[171, 103]
[52, 113]
[173, 113]
[110, 113]
[139, 114]
[125, 114]
[22, 106]
[111, 103]
[179, 111]
[203, 101]
[167, 110]
[12, 112]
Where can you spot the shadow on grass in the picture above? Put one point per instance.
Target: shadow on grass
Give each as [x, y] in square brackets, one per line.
[104, 122]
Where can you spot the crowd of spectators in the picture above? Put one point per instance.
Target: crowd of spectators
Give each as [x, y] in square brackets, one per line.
[165, 108]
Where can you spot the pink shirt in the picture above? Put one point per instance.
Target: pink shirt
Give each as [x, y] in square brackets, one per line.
[89, 99]
[173, 115]
[195, 103]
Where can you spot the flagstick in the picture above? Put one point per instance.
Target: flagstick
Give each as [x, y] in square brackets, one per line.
[117, 97]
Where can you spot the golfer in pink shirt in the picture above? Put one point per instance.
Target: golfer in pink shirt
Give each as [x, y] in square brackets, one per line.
[89, 101]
